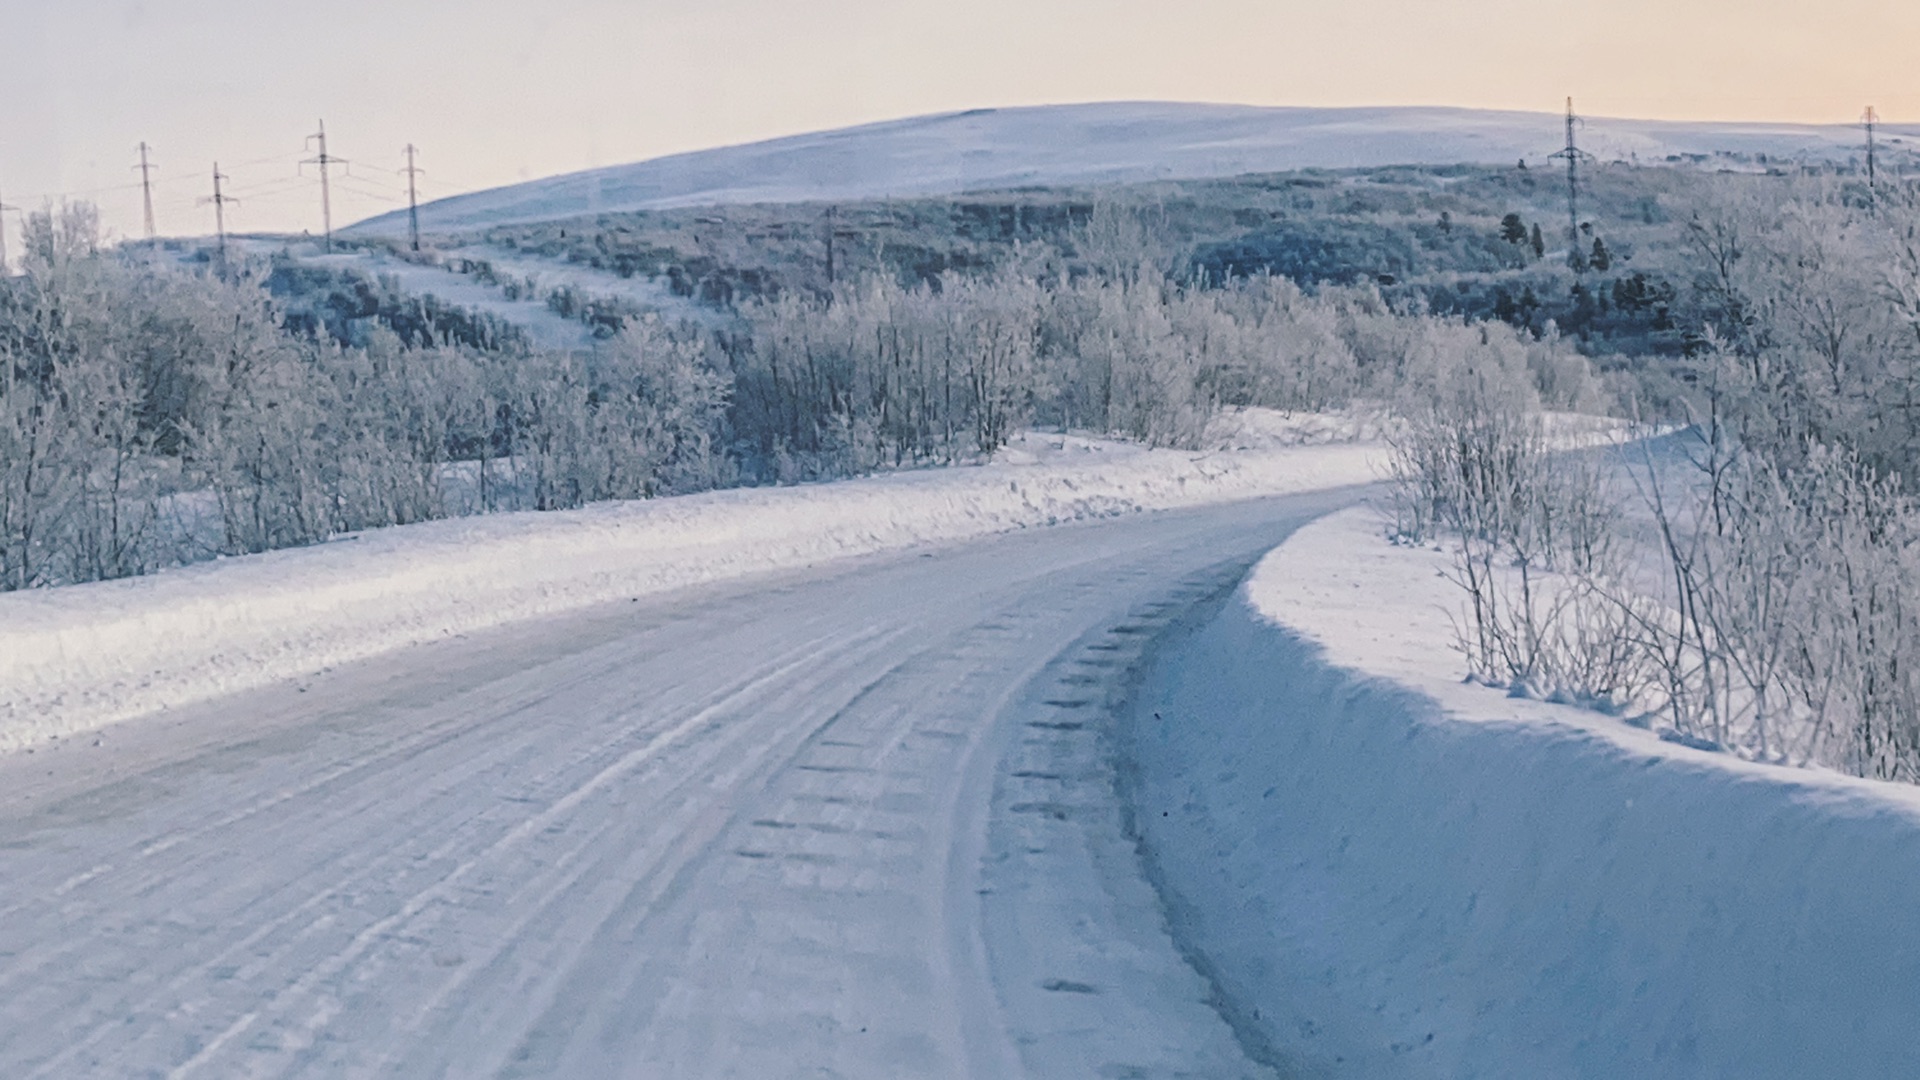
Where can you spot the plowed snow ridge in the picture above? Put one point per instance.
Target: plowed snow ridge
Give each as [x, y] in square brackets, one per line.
[75, 659]
[1390, 873]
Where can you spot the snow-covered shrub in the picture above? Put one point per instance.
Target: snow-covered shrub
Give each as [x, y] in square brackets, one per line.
[640, 416]
[151, 415]
[1771, 604]
[1787, 626]
[1532, 532]
[880, 373]
[1791, 627]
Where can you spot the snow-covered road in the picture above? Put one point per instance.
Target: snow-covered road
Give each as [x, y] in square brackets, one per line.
[852, 821]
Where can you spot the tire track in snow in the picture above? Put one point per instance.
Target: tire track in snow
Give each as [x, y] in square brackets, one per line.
[527, 828]
[335, 887]
[808, 860]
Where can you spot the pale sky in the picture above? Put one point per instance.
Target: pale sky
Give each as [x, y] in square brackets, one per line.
[494, 91]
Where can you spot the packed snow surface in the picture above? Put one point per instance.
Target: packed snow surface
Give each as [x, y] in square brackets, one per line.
[1389, 872]
[75, 658]
[1110, 142]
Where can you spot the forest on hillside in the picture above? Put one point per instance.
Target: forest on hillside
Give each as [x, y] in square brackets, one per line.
[1480, 242]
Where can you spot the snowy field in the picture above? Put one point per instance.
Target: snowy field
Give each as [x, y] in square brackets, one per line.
[1392, 873]
[74, 659]
[1110, 142]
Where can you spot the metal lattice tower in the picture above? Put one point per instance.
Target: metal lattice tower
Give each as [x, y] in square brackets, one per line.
[220, 202]
[413, 199]
[146, 186]
[1870, 118]
[1574, 156]
[323, 159]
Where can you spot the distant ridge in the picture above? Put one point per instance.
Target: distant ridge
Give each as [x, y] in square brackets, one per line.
[1111, 142]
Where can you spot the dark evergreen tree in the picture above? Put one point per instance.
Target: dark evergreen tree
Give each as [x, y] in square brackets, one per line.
[1539, 241]
[1602, 259]
[1513, 230]
[1504, 308]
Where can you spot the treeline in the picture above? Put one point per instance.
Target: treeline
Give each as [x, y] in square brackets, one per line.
[882, 374]
[1763, 593]
[153, 414]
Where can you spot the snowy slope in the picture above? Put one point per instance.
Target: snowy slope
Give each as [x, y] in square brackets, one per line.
[1391, 873]
[547, 275]
[1099, 143]
[543, 327]
[73, 659]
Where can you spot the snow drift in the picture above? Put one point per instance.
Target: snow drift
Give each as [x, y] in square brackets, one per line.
[1388, 873]
[79, 657]
[1107, 142]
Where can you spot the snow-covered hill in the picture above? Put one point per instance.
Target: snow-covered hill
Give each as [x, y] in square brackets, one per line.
[1105, 143]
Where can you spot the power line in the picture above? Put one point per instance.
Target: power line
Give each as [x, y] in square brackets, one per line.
[284, 185]
[161, 195]
[374, 180]
[155, 189]
[51, 196]
[146, 186]
[413, 199]
[279, 184]
[266, 160]
[351, 186]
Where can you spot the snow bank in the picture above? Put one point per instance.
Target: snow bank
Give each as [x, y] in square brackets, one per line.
[1390, 873]
[76, 658]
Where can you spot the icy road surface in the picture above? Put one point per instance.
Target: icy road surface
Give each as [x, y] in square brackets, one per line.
[856, 821]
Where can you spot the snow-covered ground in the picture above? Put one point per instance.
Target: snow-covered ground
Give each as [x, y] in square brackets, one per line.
[1389, 872]
[444, 275]
[543, 326]
[854, 820]
[547, 275]
[1109, 142]
[1264, 429]
[76, 658]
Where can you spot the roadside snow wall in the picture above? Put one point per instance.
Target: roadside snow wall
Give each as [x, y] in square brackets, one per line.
[79, 657]
[1414, 878]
